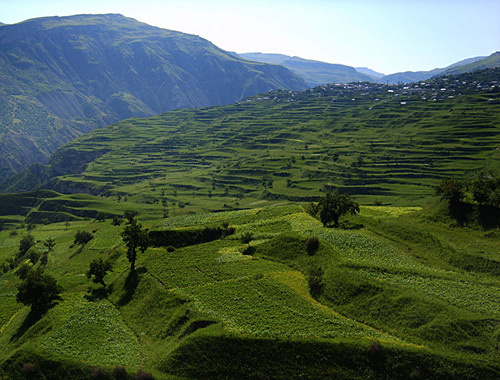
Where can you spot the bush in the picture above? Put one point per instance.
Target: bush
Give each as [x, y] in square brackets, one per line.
[29, 370]
[82, 237]
[315, 281]
[25, 244]
[99, 374]
[141, 375]
[120, 373]
[249, 250]
[312, 245]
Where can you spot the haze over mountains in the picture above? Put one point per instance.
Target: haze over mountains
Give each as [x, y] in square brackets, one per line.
[316, 73]
[62, 77]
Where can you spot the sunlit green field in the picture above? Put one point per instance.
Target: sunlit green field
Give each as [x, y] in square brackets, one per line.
[374, 288]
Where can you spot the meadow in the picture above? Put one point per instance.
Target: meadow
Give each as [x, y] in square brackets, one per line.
[376, 291]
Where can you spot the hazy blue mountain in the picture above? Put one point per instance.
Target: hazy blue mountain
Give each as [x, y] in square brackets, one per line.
[61, 77]
[371, 73]
[315, 73]
[415, 76]
[473, 64]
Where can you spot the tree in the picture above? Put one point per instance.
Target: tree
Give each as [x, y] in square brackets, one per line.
[486, 191]
[134, 237]
[101, 216]
[334, 205]
[451, 190]
[38, 290]
[82, 237]
[50, 244]
[25, 244]
[99, 268]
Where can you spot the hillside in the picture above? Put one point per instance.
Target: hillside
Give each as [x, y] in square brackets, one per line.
[369, 72]
[315, 73]
[62, 77]
[384, 144]
[485, 63]
[416, 76]
[403, 295]
[226, 283]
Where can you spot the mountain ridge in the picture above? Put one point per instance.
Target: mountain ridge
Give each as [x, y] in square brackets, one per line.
[61, 77]
[314, 72]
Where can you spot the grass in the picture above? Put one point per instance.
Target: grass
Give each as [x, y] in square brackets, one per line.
[373, 288]
[292, 147]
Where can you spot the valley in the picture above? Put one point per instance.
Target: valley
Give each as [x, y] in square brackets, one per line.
[179, 231]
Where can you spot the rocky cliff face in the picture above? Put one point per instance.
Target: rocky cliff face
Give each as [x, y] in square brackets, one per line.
[62, 77]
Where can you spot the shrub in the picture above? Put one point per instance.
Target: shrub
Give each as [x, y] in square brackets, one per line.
[25, 244]
[116, 221]
[374, 351]
[141, 375]
[249, 250]
[82, 237]
[120, 373]
[99, 374]
[315, 281]
[29, 370]
[312, 245]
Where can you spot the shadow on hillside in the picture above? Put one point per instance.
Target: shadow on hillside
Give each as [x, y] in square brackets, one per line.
[33, 317]
[131, 284]
[96, 294]
[466, 214]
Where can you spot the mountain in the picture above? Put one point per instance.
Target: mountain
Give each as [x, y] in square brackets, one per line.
[61, 77]
[487, 62]
[369, 72]
[416, 76]
[315, 73]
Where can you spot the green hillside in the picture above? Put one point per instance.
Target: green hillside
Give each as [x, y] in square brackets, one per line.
[485, 63]
[61, 77]
[384, 144]
[389, 305]
[225, 274]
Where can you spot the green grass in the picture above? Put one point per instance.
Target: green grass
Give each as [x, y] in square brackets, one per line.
[270, 150]
[388, 276]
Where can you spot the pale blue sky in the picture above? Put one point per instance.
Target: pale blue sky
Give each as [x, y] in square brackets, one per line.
[384, 35]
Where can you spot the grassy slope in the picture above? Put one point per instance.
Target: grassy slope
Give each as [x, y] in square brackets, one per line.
[294, 147]
[185, 311]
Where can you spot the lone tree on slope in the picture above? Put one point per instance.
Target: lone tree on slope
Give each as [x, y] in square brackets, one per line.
[38, 290]
[99, 268]
[333, 206]
[135, 237]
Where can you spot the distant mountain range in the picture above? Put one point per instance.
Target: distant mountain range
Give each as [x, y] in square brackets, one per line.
[314, 73]
[369, 72]
[61, 77]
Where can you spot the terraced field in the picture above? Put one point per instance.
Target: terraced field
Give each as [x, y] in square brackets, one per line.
[384, 147]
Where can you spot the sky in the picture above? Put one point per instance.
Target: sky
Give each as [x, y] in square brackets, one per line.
[384, 35]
